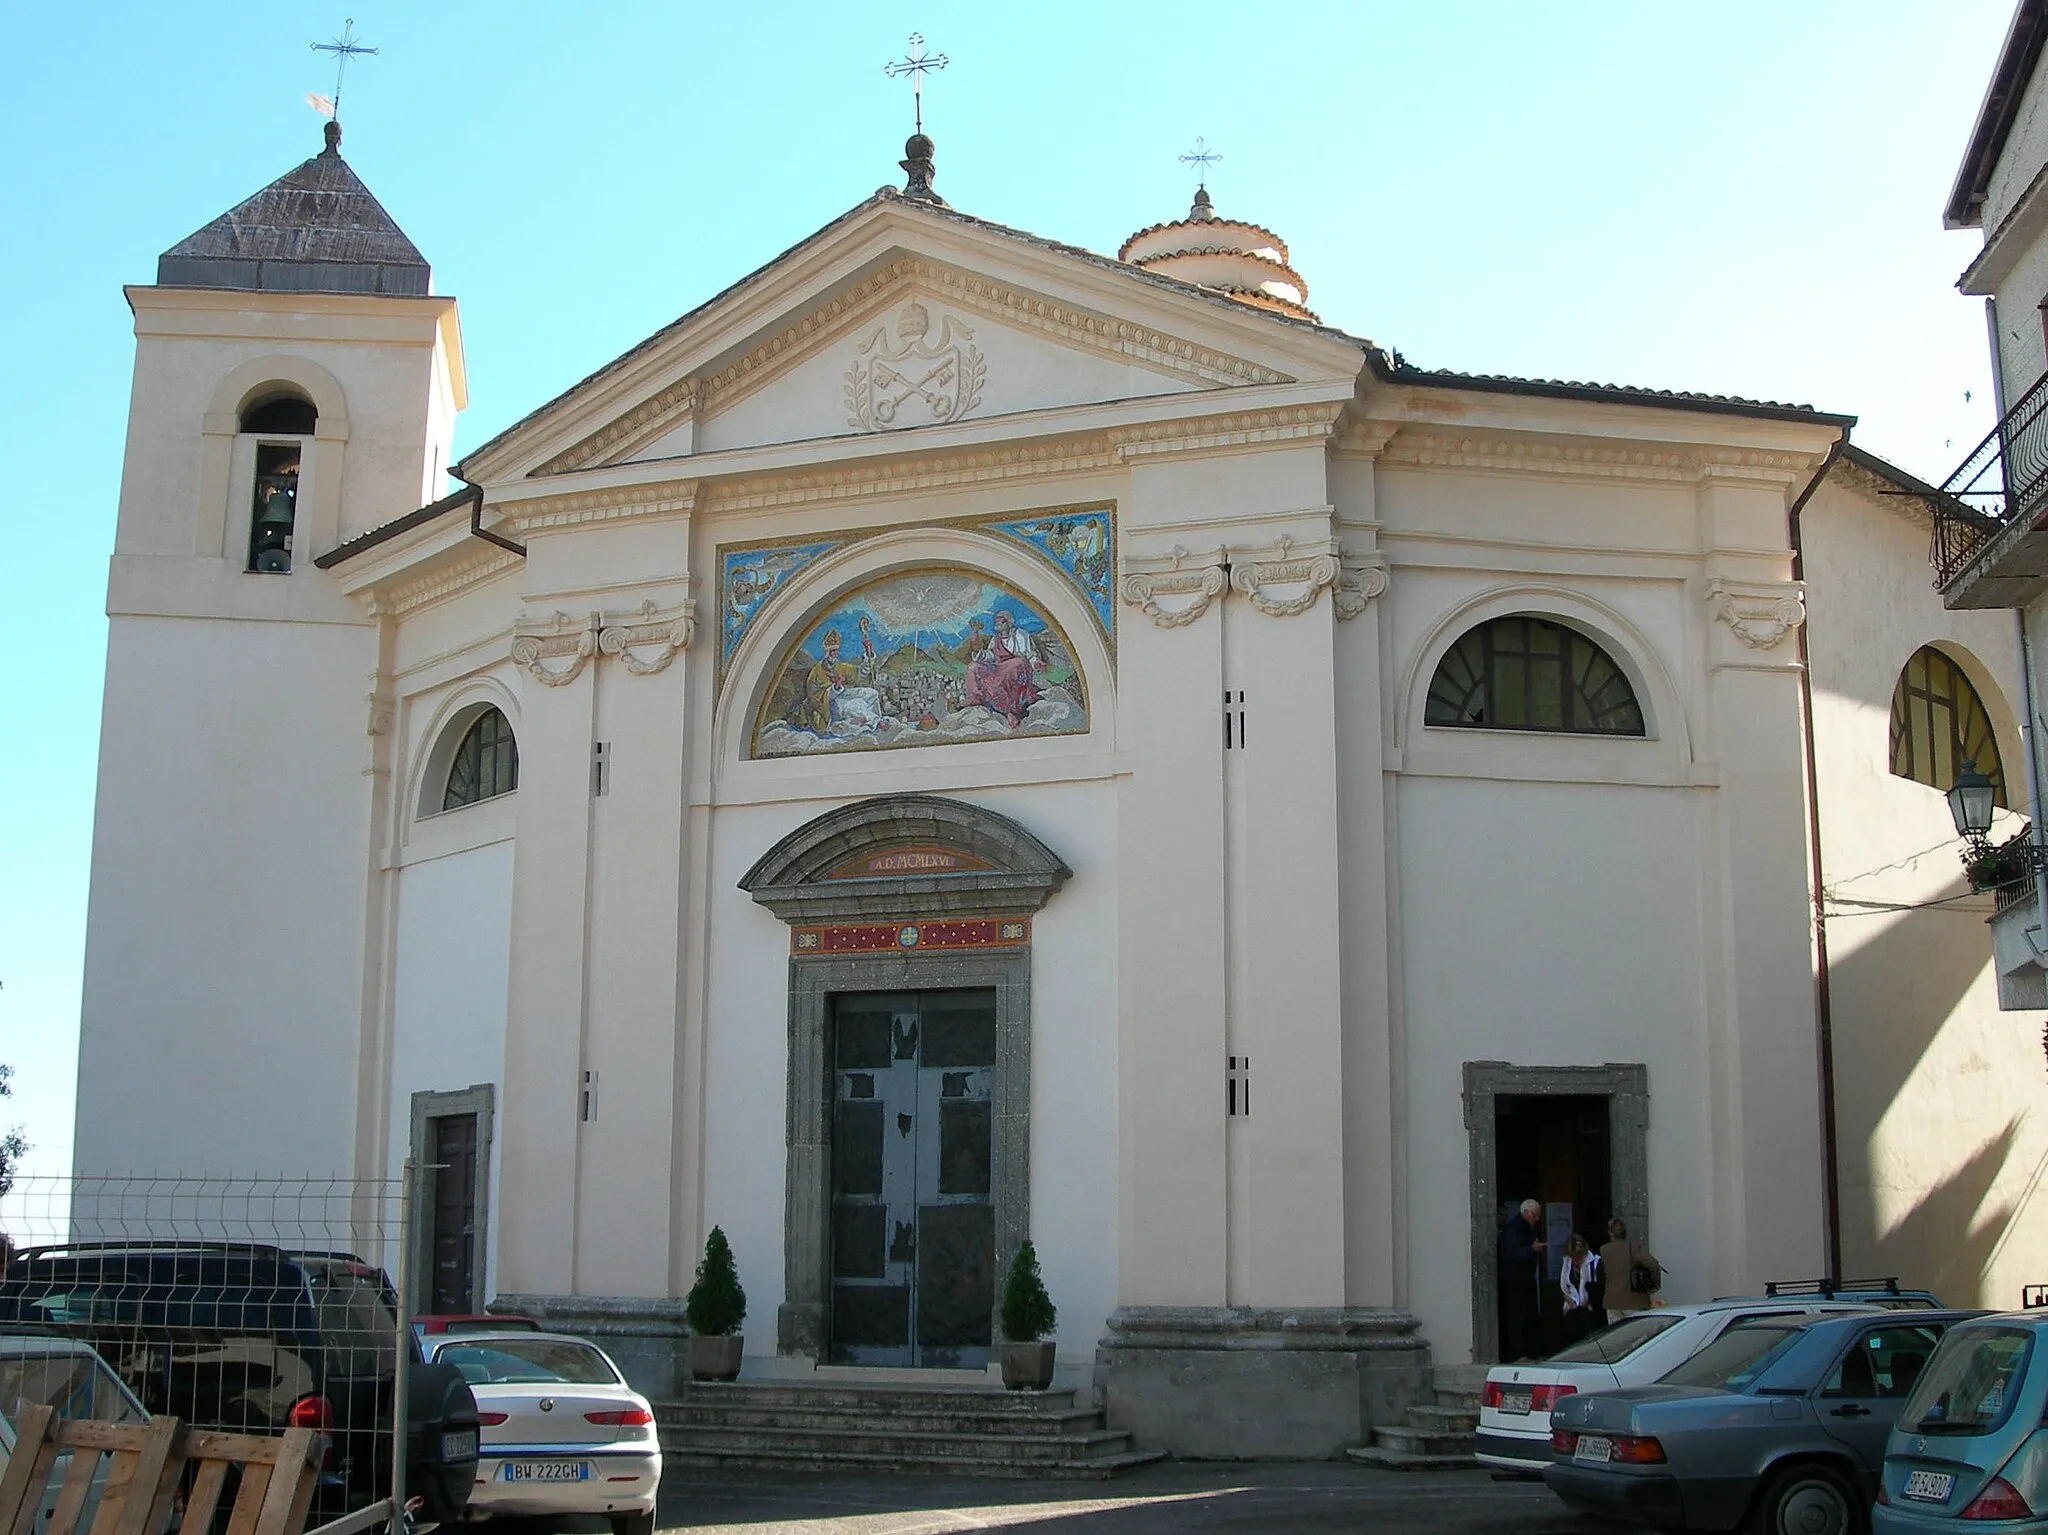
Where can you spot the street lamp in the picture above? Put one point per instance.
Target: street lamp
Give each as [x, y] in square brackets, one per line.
[1970, 802]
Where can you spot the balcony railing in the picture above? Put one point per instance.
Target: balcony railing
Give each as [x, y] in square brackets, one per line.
[2004, 481]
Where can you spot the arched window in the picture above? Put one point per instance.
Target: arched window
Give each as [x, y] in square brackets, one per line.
[1524, 673]
[274, 507]
[1939, 723]
[485, 764]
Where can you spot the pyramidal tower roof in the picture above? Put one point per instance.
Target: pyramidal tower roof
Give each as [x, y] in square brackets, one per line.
[316, 229]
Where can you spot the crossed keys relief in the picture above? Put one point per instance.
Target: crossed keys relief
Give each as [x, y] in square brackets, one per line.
[918, 381]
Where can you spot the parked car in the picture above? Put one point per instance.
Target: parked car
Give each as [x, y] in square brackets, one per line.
[1780, 1421]
[251, 1338]
[1969, 1450]
[1515, 1408]
[562, 1431]
[453, 1321]
[73, 1381]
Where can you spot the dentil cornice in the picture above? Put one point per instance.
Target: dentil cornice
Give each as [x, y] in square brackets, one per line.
[1761, 614]
[444, 580]
[703, 396]
[1517, 455]
[623, 503]
[1279, 425]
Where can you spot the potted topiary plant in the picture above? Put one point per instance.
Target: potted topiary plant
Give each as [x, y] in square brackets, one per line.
[714, 1308]
[1028, 1315]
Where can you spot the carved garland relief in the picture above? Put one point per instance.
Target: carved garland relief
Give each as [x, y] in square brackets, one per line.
[1281, 580]
[555, 651]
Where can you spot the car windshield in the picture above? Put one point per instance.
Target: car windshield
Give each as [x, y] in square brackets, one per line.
[74, 1385]
[529, 1361]
[1735, 1358]
[1969, 1385]
[1613, 1344]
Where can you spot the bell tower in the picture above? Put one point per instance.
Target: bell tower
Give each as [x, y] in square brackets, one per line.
[296, 383]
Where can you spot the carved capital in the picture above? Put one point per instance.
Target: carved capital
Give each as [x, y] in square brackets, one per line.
[1760, 613]
[1284, 578]
[1175, 588]
[536, 646]
[382, 711]
[651, 638]
[1360, 578]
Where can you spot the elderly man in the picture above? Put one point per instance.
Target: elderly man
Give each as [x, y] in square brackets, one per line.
[1521, 1283]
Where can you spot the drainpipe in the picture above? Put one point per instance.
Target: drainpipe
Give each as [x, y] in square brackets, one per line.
[1823, 1009]
[476, 516]
[2027, 745]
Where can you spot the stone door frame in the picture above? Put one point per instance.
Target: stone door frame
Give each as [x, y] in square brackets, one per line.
[803, 1325]
[1627, 1091]
[479, 1099]
[973, 864]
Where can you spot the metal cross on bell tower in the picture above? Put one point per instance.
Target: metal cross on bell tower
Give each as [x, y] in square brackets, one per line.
[344, 48]
[1201, 158]
[917, 154]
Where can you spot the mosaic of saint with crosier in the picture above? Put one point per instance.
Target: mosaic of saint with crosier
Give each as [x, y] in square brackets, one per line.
[920, 659]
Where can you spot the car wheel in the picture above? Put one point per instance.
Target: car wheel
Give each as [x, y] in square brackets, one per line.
[1808, 1499]
[633, 1524]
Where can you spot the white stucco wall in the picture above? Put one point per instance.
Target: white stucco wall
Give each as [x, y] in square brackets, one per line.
[1940, 1128]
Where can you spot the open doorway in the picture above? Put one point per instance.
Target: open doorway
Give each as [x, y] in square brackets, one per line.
[1557, 1151]
[1573, 1138]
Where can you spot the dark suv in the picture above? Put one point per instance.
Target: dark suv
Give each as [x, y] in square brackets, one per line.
[251, 1338]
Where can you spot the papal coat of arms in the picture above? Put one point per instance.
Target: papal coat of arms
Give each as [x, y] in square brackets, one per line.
[919, 381]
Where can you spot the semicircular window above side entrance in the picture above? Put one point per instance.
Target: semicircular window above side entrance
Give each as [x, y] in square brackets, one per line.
[929, 657]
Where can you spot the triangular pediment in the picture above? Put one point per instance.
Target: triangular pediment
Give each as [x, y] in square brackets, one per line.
[895, 318]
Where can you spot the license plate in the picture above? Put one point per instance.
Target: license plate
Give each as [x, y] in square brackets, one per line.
[459, 1444]
[1516, 1402]
[1933, 1486]
[546, 1471]
[1594, 1447]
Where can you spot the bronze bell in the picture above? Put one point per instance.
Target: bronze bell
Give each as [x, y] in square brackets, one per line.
[277, 510]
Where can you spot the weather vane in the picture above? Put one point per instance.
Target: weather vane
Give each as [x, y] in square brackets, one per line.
[915, 64]
[344, 48]
[1201, 159]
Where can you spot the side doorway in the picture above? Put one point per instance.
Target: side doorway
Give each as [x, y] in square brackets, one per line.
[1576, 1140]
[450, 1237]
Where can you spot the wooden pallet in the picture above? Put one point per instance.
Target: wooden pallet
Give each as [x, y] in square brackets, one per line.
[145, 1465]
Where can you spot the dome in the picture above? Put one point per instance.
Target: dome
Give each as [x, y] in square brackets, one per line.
[1241, 261]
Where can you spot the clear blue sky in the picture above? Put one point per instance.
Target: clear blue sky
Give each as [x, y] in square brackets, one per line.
[1743, 197]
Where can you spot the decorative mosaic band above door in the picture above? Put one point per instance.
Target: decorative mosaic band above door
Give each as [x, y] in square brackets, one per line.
[1078, 542]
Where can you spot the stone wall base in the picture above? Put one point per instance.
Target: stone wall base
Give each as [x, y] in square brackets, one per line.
[646, 1338]
[1251, 1383]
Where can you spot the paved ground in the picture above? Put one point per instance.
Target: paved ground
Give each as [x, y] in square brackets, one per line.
[1189, 1498]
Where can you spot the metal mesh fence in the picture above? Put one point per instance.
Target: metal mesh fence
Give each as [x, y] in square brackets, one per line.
[243, 1304]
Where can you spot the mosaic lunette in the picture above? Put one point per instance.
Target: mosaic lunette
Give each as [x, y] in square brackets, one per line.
[923, 658]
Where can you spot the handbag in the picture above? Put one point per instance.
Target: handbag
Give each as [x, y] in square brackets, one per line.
[1645, 1274]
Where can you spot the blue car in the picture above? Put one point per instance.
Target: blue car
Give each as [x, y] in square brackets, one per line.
[1969, 1451]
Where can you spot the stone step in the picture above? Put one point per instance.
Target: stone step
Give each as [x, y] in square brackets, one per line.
[1402, 1460]
[887, 1399]
[961, 1420]
[1421, 1441]
[1446, 1420]
[1099, 1468]
[884, 1440]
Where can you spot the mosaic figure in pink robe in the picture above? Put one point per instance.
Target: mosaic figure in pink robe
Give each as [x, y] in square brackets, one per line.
[1001, 675]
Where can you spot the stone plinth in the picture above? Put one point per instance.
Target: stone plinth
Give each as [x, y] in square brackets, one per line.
[1250, 1383]
[646, 1337]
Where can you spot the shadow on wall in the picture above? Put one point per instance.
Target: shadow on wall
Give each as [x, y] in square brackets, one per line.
[1892, 994]
[1947, 1242]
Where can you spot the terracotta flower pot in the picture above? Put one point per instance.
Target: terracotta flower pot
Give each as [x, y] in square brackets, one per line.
[1027, 1366]
[715, 1358]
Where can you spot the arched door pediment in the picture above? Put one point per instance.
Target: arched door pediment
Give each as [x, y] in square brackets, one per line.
[901, 856]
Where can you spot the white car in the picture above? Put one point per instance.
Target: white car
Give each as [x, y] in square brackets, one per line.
[1514, 1411]
[71, 1379]
[562, 1431]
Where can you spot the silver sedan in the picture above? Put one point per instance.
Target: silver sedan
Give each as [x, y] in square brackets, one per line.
[1780, 1422]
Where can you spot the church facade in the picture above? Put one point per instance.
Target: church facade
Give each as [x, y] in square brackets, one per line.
[959, 738]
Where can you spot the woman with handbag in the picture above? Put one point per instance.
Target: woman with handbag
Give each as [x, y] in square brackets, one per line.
[1577, 1278]
[1632, 1272]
